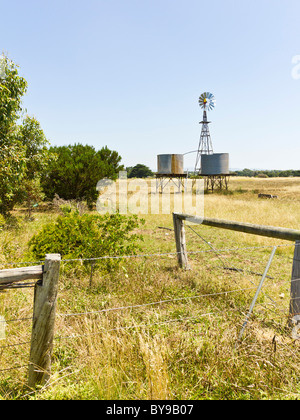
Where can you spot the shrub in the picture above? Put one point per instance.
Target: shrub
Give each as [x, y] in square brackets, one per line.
[76, 236]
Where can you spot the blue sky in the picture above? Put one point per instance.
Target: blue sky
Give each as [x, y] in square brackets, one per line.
[128, 74]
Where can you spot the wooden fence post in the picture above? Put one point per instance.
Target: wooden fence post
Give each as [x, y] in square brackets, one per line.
[45, 297]
[295, 284]
[180, 242]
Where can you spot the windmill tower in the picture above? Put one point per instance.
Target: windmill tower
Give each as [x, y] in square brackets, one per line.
[207, 103]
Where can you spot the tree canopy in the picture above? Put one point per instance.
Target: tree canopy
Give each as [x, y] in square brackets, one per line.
[76, 171]
[12, 151]
[23, 144]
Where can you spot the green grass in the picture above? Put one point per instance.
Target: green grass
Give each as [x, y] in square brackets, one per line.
[181, 349]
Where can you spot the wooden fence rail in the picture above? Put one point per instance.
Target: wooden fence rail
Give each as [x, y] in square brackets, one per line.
[269, 231]
[15, 275]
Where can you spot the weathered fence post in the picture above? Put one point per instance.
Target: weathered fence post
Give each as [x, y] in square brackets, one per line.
[45, 297]
[180, 242]
[295, 283]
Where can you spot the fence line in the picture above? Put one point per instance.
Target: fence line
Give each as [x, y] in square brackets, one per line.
[143, 305]
[157, 254]
[202, 251]
[269, 231]
[132, 307]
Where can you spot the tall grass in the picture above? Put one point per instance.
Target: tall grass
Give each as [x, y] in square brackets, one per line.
[185, 346]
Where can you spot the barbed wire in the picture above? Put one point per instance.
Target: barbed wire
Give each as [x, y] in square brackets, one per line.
[160, 254]
[156, 254]
[120, 308]
[15, 345]
[17, 319]
[154, 303]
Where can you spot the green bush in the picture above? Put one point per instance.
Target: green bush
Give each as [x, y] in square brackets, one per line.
[76, 236]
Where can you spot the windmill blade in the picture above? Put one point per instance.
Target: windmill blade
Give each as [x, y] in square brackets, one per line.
[207, 101]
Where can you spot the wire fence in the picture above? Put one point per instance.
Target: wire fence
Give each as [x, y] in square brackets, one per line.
[279, 279]
[156, 254]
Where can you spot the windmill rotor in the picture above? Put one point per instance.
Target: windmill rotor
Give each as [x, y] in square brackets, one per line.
[207, 101]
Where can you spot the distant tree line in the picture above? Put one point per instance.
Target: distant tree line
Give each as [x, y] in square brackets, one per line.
[267, 173]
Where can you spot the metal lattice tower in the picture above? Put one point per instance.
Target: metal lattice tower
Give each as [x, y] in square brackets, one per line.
[207, 102]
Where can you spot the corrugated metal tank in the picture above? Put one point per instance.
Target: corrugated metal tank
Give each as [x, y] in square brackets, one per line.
[170, 164]
[215, 164]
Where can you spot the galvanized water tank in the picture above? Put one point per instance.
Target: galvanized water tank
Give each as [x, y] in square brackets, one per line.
[215, 164]
[170, 164]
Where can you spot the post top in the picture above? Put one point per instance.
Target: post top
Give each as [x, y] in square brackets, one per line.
[53, 257]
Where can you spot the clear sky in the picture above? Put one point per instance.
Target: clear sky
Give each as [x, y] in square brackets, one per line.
[128, 74]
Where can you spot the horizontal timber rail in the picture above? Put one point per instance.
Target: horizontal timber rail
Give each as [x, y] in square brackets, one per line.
[269, 231]
[16, 275]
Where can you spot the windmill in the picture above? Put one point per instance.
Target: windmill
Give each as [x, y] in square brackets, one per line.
[207, 102]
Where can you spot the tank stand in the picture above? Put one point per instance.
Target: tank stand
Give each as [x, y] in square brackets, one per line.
[162, 180]
[216, 182]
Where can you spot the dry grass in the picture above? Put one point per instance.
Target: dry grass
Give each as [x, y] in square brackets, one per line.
[180, 349]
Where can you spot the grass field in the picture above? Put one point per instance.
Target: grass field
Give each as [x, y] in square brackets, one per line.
[176, 337]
